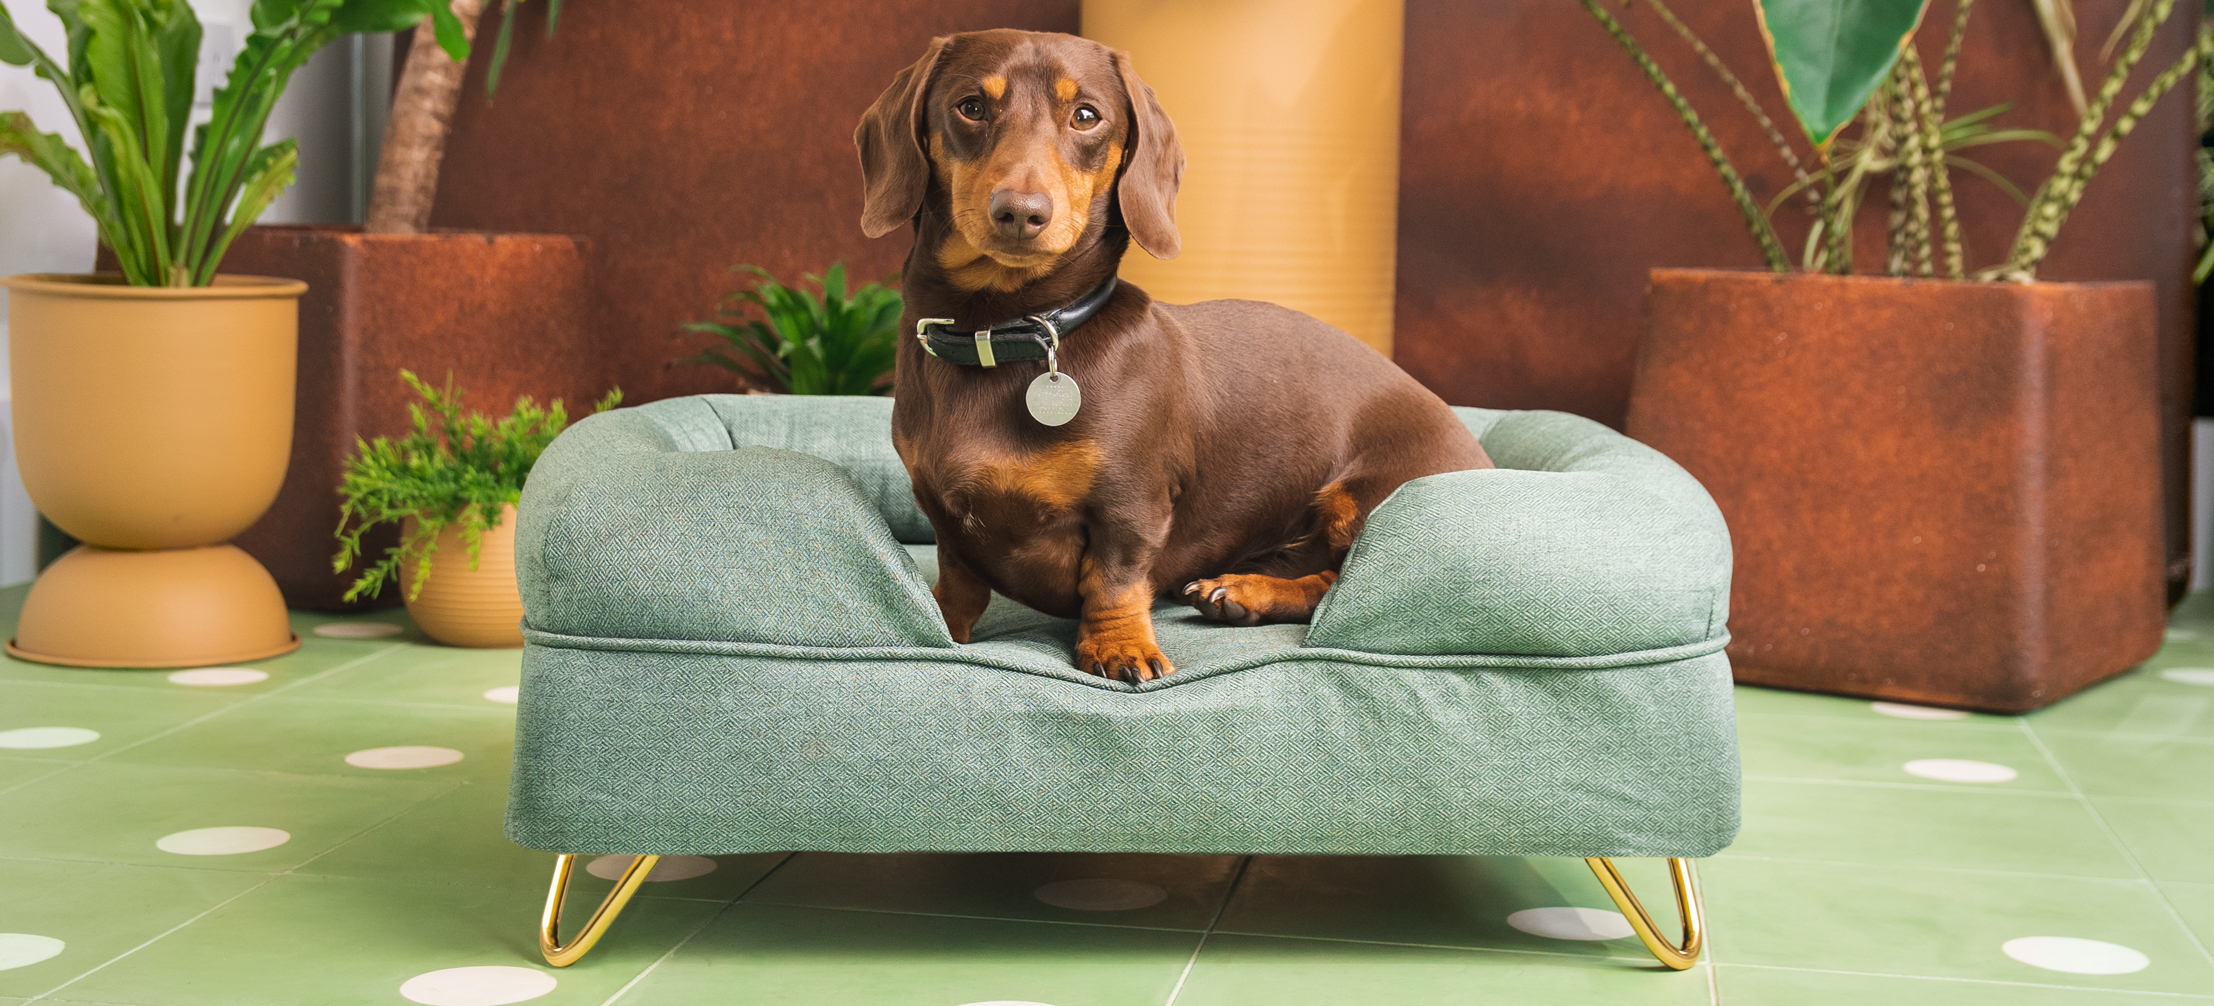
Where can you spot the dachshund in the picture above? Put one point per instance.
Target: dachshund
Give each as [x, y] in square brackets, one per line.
[1076, 445]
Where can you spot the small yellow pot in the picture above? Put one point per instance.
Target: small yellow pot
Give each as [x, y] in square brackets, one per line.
[153, 424]
[460, 606]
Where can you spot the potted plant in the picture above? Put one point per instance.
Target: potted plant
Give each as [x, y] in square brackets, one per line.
[153, 409]
[804, 344]
[450, 486]
[514, 308]
[1944, 489]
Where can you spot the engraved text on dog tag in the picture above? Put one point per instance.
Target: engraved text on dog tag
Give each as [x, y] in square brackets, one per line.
[1054, 399]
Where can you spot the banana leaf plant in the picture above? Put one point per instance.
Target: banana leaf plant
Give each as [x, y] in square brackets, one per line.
[128, 85]
[1841, 60]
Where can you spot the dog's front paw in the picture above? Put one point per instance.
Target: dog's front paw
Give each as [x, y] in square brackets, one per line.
[1125, 658]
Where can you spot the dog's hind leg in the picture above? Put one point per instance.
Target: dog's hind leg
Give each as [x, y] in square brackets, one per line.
[1254, 598]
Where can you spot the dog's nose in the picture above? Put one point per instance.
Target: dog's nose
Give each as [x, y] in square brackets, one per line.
[1021, 214]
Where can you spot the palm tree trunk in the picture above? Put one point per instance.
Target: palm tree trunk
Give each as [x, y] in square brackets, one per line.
[415, 134]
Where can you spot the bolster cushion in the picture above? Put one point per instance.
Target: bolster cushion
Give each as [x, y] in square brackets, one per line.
[1582, 542]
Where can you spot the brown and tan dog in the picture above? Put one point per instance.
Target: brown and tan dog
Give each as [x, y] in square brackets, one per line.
[1226, 453]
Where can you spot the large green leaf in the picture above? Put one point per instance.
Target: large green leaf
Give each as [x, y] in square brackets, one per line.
[1831, 54]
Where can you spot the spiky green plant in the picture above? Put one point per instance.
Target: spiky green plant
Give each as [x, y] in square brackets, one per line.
[128, 86]
[1842, 59]
[451, 471]
[833, 344]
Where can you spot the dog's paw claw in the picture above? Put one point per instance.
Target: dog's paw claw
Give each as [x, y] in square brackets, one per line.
[1219, 600]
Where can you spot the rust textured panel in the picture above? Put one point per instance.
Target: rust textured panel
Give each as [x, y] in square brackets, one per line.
[684, 138]
[506, 314]
[1936, 492]
[1539, 183]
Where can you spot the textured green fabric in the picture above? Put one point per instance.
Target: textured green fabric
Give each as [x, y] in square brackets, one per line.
[1582, 542]
[728, 651]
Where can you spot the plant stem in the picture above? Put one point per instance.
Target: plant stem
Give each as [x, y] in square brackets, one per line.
[2127, 121]
[1771, 248]
[1952, 59]
[1895, 235]
[2049, 207]
[1744, 97]
[415, 135]
[1941, 185]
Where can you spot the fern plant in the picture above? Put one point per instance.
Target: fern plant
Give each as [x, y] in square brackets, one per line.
[833, 344]
[128, 86]
[450, 471]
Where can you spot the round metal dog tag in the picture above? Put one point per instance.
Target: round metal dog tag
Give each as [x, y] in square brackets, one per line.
[1054, 399]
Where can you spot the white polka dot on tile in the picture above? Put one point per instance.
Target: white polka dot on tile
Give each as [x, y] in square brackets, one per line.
[2189, 675]
[34, 738]
[2076, 956]
[509, 694]
[1100, 894]
[488, 985]
[1901, 710]
[1572, 923]
[1959, 770]
[218, 677]
[21, 950]
[229, 841]
[403, 757]
[357, 630]
[669, 868]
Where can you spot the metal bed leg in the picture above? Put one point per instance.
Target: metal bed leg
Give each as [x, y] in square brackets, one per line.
[1675, 957]
[549, 926]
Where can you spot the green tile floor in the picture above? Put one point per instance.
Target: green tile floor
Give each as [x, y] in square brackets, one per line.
[256, 839]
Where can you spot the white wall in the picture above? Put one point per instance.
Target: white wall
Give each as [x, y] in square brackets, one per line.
[334, 108]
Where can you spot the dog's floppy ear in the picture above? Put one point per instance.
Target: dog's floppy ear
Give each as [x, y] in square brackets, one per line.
[894, 172]
[1155, 167]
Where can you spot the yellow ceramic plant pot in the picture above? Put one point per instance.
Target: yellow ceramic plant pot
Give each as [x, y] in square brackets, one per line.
[459, 606]
[1288, 111]
[153, 424]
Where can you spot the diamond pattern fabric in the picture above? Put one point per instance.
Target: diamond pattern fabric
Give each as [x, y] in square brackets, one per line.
[732, 648]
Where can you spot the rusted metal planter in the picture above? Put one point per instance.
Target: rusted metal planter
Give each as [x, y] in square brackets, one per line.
[505, 314]
[1938, 492]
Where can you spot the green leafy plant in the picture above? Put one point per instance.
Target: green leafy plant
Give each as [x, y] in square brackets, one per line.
[1838, 60]
[129, 85]
[834, 344]
[451, 471]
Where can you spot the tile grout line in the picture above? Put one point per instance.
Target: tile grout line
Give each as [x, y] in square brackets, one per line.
[1931, 867]
[696, 930]
[1220, 910]
[1973, 981]
[2050, 794]
[197, 720]
[2119, 846]
[271, 879]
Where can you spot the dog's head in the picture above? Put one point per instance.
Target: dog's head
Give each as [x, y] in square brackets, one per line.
[1033, 140]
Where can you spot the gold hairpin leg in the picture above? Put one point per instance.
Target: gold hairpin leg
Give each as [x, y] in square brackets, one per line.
[1687, 904]
[549, 926]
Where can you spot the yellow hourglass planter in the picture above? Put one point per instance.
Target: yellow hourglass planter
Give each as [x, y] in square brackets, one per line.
[1288, 111]
[153, 424]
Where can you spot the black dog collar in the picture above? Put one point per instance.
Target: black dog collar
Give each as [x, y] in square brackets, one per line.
[1031, 337]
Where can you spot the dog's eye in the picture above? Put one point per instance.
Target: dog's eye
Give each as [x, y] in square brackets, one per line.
[971, 109]
[1086, 117]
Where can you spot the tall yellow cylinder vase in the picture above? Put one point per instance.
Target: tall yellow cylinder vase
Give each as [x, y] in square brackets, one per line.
[1289, 115]
[153, 424]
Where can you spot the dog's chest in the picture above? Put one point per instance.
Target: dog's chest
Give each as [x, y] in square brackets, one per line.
[998, 491]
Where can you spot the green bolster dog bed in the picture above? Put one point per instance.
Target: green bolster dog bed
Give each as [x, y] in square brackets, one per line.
[731, 647]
